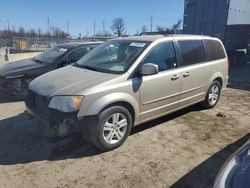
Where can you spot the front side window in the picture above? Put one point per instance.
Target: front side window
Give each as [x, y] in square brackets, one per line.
[50, 55]
[192, 52]
[162, 55]
[113, 56]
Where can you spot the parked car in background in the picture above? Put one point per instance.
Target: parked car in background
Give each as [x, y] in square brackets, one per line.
[235, 173]
[128, 81]
[15, 76]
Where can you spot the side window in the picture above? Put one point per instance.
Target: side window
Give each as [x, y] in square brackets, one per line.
[75, 55]
[214, 50]
[192, 52]
[163, 55]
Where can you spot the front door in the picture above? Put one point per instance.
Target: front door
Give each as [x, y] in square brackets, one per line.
[160, 93]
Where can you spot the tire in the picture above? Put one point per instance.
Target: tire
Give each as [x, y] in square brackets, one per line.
[113, 127]
[212, 96]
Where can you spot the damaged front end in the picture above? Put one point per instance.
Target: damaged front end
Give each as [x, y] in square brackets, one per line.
[57, 123]
[14, 86]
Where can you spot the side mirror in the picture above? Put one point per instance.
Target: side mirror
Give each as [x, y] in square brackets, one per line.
[65, 61]
[149, 69]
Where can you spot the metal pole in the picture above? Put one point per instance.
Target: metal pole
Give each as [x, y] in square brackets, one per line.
[151, 22]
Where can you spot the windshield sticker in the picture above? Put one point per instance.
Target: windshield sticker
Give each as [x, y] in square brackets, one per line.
[63, 49]
[137, 44]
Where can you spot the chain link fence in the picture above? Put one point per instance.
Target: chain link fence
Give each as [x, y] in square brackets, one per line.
[33, 44]
[29, 44]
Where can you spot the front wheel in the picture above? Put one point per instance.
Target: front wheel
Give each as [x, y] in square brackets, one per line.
[113, 128]
[213, 95]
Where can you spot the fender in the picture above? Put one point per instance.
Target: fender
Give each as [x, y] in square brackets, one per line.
[109, 99]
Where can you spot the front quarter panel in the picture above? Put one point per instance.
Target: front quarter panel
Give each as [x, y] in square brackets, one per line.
[95, 102]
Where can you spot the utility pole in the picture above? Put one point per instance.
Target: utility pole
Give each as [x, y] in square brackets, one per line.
[103, 27]
[151, 23]
[87, 32]
[39, 32]
[68, 27]
[94, 27]
[8, 22]
[48, 25]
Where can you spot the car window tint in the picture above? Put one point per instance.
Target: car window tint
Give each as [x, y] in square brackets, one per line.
[214, 50]
[192, 52]
[77, 54]
[163, 55]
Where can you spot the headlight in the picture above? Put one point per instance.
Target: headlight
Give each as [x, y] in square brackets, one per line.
[66, 103]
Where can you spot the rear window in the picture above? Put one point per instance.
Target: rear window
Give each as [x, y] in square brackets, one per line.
[192, 52]
[214, 50]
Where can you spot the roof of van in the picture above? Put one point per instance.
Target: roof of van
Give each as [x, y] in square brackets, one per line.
[156, 37]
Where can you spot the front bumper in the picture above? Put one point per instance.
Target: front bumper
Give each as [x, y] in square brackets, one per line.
[59, 123]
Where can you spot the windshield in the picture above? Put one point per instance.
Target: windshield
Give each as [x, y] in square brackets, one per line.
[113, 56]
[50, 55]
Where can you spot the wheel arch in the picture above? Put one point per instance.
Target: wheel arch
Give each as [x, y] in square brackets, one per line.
[216, 77]
[119, 99]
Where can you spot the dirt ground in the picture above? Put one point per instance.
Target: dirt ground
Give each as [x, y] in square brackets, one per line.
[184, 149]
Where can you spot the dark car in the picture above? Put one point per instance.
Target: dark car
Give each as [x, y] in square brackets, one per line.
[235, 173]
[15, 76]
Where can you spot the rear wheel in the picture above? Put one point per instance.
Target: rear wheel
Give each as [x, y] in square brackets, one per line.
[113, 128]
[213, 95]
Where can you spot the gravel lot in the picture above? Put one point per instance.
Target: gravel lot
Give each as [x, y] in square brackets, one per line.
[184, 149]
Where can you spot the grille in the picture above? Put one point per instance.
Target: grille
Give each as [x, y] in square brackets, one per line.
[38, 104]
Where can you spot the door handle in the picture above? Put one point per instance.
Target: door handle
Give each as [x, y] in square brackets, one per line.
[175, 77]
[186, 74]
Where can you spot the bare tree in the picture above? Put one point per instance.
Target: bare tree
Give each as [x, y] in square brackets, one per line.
[160, 28]
[177, 26]
[118, 26]
[172, 29]
[21, 31]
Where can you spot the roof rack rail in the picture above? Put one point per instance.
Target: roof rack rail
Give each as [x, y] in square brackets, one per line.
[158, 33]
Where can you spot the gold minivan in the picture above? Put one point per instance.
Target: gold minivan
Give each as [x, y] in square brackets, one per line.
[127, 81]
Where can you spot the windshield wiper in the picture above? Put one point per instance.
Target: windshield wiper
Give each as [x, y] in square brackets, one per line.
[91, 68]
[36, 60]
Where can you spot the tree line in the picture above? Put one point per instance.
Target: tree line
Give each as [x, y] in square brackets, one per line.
[118, 28]
[55, 32]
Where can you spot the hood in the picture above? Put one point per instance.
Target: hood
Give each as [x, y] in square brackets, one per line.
[68, 81]
[19, 67]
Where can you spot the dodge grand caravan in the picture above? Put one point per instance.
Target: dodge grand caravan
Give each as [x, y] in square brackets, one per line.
[125, 82]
